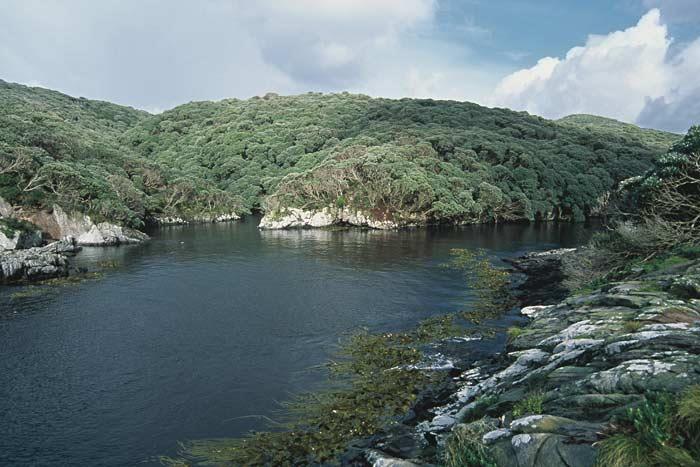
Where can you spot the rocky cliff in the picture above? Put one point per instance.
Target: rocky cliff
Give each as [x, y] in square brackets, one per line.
[58, 224]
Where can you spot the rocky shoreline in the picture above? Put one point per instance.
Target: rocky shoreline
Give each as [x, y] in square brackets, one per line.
[37, 263]
[579, 363]
[330, 216]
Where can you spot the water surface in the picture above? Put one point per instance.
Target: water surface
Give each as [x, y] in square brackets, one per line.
[187, 335]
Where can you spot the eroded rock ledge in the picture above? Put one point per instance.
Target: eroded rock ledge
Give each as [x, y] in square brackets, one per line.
[588, 358]
[201, 219]
[40, 263]
[329, 216]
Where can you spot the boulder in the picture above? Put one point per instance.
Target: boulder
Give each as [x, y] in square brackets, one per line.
[542, 450]
[6, 209]
[544, 276]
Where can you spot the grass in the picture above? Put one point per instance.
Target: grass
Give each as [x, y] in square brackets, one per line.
[464, 447]
[662, 431]
[632, 326]
[530, 405]
[514, 332]
[689, 406]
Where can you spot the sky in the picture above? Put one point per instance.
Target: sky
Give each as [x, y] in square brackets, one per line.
[633, 60]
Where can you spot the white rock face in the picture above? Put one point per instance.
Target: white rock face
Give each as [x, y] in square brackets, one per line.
[495, 435]
[36, 263]
[535, 311]
[20, 240]
[295, 217]
[171, 220]
[6, 209]
[87, 233]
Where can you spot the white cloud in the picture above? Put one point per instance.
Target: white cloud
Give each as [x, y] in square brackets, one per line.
[680, 106]
[159, 53]
[619, 75]
[610, 75]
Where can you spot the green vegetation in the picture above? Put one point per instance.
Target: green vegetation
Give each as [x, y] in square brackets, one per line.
[633, 325]
[428, 160]
[488, 283]
[59, 149]
[465, 449]
[373, 385]
[9, 226]
[443, 160]
[513, 332]
[654, 221]
[659, 432]
[654, 228]
[530, 405]
[661, 140]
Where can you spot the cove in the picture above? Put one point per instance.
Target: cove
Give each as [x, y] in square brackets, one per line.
[188, 335]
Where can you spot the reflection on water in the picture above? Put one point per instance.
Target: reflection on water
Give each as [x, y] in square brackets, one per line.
[203, 325]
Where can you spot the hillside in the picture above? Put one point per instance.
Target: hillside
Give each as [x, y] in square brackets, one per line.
[654, 138]
[57, 149]
[434, 161]
[437, 160]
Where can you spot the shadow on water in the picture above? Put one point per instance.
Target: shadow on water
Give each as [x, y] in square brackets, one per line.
[187, 333]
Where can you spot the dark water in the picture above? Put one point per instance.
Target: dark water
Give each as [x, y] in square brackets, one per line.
[203, 325]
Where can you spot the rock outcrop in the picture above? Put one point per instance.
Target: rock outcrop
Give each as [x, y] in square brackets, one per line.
[329, 216]
[201, 219]
[12, 238]
[544, 274]
[59, 225]
[36, 264]
[584, 360]
[6, 209]
[19, 239]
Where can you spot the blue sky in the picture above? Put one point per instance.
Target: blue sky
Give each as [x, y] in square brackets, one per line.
[635, 60]
[521, 31]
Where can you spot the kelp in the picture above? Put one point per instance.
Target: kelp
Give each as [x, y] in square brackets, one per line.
[373, 382]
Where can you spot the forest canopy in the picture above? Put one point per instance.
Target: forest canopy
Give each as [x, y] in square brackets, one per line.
[445, 161]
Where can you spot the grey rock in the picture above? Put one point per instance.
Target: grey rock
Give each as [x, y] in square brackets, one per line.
[328, 216]
[20, 239]
[34, 264]
[59, 224]
[542, 450]
[379, 459]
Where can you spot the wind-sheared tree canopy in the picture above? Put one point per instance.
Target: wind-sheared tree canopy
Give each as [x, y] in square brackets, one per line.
[436, 160]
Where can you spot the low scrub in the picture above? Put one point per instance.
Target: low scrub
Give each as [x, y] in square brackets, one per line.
[660, 432]
[655, 221]
[464, 447]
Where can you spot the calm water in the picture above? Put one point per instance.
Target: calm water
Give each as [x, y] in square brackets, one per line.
[203, 325]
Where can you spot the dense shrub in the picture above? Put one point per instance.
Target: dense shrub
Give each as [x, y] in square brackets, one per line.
[653, 217]
[439, 160]
[448, 161]
[662, 431]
